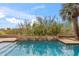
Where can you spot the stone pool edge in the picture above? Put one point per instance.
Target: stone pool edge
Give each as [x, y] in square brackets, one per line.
[66, 40]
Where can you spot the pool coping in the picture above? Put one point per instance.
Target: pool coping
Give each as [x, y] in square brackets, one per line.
[66, 40]
[72, 41]
[8, 39]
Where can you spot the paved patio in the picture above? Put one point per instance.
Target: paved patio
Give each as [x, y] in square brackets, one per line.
[69, 40]
[7, 39]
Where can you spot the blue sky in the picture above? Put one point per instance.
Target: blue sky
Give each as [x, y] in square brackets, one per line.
[13, 13]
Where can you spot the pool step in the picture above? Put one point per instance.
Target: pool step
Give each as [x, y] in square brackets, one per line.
[6, 48]
[9, 50]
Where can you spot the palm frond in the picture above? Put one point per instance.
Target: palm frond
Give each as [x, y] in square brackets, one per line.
[69, 10]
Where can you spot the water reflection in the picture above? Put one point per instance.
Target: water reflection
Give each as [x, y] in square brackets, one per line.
[67, 50]
[46, 48]
[76, 50]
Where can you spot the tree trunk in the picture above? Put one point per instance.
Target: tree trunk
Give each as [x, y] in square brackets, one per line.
[75, 28]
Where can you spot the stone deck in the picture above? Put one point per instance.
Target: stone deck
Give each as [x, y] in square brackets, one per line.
[69, 40]
[66, 40]
[7, 39]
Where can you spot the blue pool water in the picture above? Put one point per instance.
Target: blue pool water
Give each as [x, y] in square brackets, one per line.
[38, 48]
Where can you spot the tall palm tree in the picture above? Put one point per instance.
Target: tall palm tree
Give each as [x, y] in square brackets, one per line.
[70, 11]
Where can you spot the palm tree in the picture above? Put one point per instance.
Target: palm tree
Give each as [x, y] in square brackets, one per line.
[70, 11]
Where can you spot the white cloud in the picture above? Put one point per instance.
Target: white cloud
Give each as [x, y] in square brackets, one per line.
[14, 20]
[38, 7]
[2, 15]
[16, 14]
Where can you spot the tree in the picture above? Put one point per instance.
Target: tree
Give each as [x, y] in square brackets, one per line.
[70, 12]
[55, 28]
[46, 22]
[38, 29]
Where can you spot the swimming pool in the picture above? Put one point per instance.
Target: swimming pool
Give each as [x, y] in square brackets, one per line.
[38, 48]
